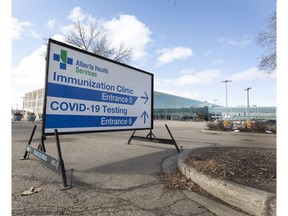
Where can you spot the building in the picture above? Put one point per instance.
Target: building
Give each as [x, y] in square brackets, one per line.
[33, 101]
[243, 113]
[171, 107]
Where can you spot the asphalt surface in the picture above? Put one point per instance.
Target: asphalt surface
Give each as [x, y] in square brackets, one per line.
[111, 177]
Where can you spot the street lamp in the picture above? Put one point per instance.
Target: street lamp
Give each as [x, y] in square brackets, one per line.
[226, 81]
[247, 89]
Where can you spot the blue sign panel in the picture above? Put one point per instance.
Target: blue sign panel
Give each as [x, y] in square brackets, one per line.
[87, 93]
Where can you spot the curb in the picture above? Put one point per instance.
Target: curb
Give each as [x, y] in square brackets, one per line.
[215, 207]
[210, 131]
[250, 200]
[207, 131]
[170, 165]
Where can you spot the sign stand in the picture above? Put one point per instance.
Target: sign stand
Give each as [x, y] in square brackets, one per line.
[152, 138]
[40, 153]
[85, 93]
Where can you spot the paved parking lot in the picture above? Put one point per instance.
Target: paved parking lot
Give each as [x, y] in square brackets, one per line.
[111, 177]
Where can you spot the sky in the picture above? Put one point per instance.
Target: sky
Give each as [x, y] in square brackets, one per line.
[190, 46]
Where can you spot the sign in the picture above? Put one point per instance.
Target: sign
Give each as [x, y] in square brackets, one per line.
[85, 93]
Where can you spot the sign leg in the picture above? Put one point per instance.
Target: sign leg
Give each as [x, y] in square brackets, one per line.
[175, 144]
[131, 137]
[150, 135]
[41, 145]
[62, 167]
[26, 154]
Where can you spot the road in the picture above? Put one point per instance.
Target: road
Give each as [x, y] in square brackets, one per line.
[111, 177]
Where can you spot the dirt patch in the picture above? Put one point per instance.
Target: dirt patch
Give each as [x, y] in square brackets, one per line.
[253, 167]
[177, 180]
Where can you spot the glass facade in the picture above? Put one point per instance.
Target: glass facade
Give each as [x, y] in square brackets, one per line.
[171, 107]
[243, 113]
[163, 100]
[182, 114]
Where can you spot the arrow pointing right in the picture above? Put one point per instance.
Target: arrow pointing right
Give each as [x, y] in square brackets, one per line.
[145, 97]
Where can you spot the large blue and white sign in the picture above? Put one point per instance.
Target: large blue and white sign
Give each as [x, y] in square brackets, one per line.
[86, 93]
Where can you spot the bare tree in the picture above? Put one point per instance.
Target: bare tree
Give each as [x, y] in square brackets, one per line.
[267, 40]
[93, 39]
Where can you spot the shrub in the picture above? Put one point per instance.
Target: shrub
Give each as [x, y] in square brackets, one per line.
[228, 125]
[265, 126]
[248, 126]
[220, 125]
[17, 116]
[212, 125]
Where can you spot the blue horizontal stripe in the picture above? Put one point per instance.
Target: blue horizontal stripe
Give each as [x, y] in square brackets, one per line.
[53, 121]
[64, 91]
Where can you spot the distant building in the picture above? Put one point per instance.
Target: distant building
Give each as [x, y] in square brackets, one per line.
[242, 113]
[171, 107]
[33, 101]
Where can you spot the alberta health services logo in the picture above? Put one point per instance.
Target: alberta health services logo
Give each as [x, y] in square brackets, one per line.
[84, 68]
[62, 59]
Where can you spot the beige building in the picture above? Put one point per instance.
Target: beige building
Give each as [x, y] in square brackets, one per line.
[33, 101]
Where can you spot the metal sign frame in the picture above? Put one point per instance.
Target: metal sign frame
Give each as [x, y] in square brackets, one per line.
[57, 163]
[68, 92]
[152, 138]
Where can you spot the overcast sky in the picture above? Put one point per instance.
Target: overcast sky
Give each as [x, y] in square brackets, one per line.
[190, 46]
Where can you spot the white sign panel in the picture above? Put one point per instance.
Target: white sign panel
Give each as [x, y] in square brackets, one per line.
[86, 93]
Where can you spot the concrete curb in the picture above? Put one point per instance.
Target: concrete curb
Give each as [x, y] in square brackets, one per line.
[215, 207]
[170, 165]
[210, 131]
[250, 200]
[207, 131]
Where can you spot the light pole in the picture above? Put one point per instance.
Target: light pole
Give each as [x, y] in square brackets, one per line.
[248, 114]
[226, 81]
